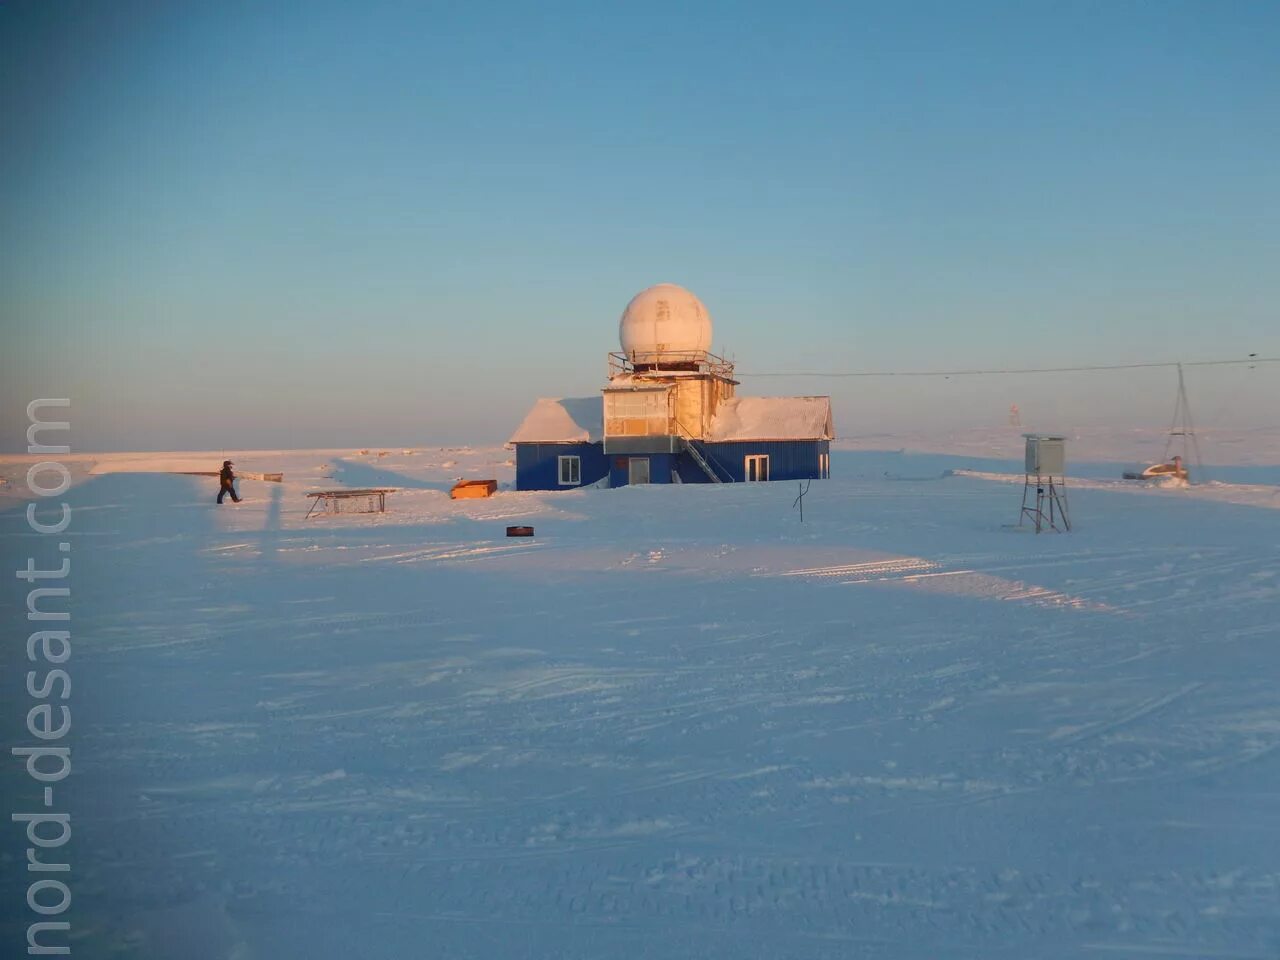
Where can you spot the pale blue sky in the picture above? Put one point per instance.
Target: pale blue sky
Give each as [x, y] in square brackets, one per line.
[328, 224]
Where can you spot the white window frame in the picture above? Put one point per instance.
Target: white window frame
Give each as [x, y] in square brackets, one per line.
[759, 458]
[824, 466]
[575, 463]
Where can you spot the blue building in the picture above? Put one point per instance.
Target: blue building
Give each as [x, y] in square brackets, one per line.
[670, 414]
[560, 445]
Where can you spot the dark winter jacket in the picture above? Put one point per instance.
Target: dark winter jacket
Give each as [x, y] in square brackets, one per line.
[226, 476]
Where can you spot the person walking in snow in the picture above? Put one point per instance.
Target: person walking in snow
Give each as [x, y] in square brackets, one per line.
[226, 480]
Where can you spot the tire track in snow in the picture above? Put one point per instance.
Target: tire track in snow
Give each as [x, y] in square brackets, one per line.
[1067, 735]
[978, 576]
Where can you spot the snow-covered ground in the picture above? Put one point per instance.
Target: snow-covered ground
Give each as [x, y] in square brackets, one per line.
[676, 723]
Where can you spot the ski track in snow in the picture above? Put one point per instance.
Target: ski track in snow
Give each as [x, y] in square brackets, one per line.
[676, 723]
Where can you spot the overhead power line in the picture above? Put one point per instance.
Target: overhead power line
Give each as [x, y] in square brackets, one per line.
[1002, 372]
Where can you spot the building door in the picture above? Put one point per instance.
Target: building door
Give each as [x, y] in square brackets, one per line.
[638, 470]
[756, 467]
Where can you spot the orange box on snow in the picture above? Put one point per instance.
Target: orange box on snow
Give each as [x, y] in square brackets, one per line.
[467, 489]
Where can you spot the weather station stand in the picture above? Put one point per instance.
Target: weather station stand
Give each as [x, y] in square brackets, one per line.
[1045, 473]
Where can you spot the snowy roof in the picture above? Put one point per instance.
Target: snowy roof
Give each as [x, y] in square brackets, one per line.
[562, 420]
[773, 418]
[662, 378]
[629, 381]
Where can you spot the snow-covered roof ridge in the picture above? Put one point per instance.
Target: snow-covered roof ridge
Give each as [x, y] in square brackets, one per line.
[562, 420]
[773, 418]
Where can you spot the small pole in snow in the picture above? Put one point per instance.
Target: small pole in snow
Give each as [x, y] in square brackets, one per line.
[799, 501]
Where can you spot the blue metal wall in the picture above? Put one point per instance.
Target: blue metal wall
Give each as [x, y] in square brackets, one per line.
[788, 459]
[538, 466]
[689, 470]
[660, 465]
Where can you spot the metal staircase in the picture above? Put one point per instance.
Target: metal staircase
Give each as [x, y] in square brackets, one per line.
[691, 445]
[701, 461]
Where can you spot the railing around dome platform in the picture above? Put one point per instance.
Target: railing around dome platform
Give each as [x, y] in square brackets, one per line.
[667, 363]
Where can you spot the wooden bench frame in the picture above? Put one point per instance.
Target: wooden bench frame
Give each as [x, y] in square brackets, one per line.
[324, 498]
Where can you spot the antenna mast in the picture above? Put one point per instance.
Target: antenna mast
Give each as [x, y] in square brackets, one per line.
[1184, 427]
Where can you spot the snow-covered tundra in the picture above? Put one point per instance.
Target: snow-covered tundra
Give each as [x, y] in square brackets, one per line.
[677, 722]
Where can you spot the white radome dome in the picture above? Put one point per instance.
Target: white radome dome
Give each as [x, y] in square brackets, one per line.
[665, 318]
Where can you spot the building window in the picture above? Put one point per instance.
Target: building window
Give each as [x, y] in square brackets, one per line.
[756, 467]
[824, 466]
[570, 471]
[636, 413]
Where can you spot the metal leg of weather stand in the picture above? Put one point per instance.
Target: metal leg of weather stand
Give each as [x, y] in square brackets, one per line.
[1036, 513]
[1059, 494]
[1048, 492]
